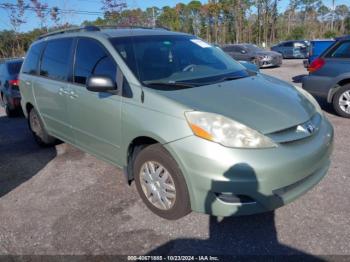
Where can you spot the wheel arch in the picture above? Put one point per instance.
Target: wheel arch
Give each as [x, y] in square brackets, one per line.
[339, 83]
[134, 147]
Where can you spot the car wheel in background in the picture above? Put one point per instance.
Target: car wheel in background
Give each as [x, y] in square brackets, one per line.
[38, 130]
[341, 101]
[160, 183]
[9, 112]
[255, 61]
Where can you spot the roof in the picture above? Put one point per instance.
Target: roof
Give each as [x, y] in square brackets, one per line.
[109, 31]
[344, 37]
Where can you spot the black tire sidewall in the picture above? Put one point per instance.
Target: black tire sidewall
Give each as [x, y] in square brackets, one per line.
[46, 140]
[9, 112]
[336, 101]
[158, 153]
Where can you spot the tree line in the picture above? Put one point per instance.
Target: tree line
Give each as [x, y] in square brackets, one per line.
[217, 21]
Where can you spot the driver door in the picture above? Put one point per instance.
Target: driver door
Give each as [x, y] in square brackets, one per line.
[95, 117]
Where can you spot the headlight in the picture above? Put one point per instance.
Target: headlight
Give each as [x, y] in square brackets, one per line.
[226, 131]
[311, 99]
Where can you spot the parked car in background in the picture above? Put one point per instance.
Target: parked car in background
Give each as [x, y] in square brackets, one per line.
[329, 76]
[253, 54]
[192, 127]
[292, 49]
[10, 97]
[250, 66]
[316, 48]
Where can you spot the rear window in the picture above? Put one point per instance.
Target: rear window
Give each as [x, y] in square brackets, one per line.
[30, 65]
[55, 61]
[342, 51]
[14, 67]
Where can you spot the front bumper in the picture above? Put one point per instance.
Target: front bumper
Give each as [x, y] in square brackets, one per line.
[269, 178]
[274, 61]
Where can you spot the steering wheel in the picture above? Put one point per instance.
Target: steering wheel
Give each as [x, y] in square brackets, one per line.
[189, 68]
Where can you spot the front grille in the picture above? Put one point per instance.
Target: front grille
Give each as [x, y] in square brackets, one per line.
[298, 132]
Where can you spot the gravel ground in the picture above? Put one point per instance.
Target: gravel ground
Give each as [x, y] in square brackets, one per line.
[64, 201]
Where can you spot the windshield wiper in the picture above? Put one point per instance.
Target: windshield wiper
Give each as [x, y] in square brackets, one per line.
[229, 78]
[175, 85]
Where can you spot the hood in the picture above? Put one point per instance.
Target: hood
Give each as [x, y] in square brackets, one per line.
[269, 53]
[260, 102]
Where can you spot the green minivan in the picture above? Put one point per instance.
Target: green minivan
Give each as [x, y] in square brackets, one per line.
[192, 127]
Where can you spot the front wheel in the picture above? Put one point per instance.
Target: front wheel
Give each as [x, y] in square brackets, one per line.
[39, 132]
[341, 101]
[160, 183]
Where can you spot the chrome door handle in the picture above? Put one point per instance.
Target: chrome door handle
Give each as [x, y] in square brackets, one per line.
[63, 91]
[73, 95]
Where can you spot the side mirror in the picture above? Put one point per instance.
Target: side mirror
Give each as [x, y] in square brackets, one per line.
[100, 84]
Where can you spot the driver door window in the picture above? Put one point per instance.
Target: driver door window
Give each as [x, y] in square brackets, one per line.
[92, 59]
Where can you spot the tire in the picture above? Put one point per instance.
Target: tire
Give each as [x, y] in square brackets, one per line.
[38, 130]
[255, 61]
[179, 199]
[343, 94]
[9, 112]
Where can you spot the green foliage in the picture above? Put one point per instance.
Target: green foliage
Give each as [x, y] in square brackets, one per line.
[347, 25]
[15, 45]
[298, 33]
[330, 34]
[219, 21]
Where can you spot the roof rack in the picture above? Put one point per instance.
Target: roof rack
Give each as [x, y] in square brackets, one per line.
[93, 28]
[3, 60]
[71, 30]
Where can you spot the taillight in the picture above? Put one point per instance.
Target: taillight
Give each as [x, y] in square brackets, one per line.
[14, 82]
[317, 64]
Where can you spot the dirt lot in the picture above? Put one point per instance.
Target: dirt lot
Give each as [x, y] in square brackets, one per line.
[63, 201]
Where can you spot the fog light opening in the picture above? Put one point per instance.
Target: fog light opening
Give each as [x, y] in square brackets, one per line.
[235, 199]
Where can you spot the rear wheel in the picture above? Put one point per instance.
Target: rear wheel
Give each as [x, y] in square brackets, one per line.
[38, 129]
[8, 110]
[160, 183]
[341, 101]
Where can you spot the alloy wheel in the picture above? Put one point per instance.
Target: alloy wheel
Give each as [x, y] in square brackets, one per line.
[344, 101]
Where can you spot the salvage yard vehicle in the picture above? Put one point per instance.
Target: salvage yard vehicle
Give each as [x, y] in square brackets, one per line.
[10, 97]
[191, 126]
[329, 76]
[292, 49]
[316, 48]
[252, 53]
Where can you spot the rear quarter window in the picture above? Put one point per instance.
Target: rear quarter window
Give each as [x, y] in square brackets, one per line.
[341, 51]
[30, 65]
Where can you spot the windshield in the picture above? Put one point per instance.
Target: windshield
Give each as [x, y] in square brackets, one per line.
[253, 48]
[176, 59]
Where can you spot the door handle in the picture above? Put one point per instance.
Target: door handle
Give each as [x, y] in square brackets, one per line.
[63, 91]
[73, 95]
[27, 83]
